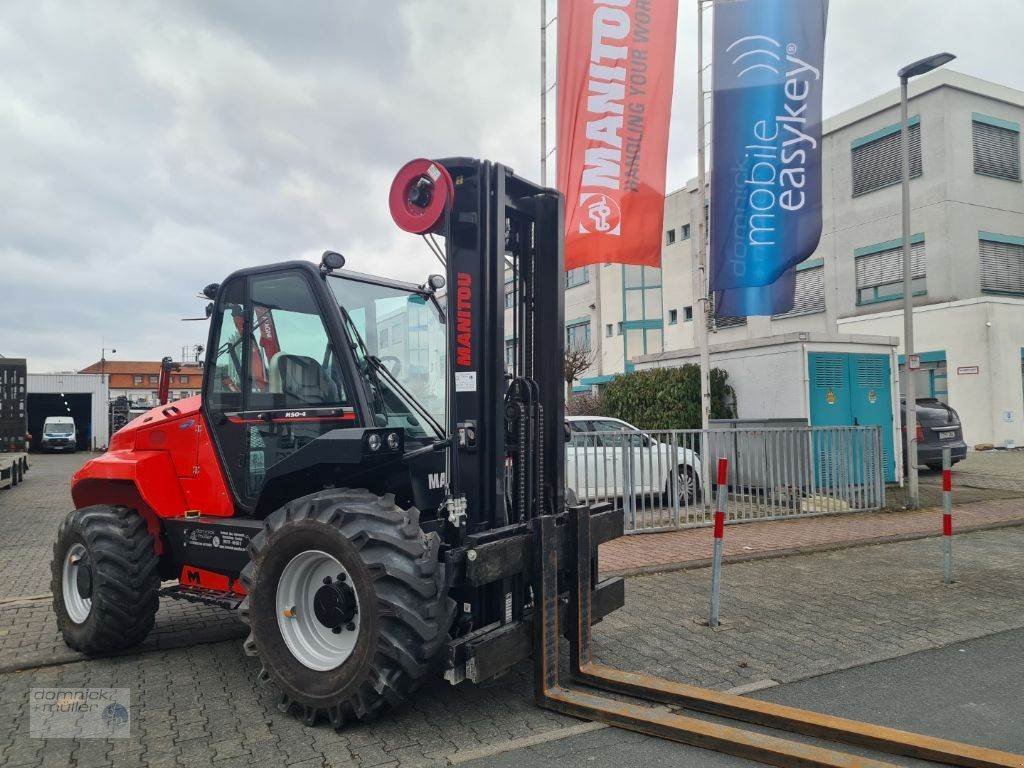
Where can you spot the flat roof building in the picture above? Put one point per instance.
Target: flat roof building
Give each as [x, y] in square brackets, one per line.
[967, 221]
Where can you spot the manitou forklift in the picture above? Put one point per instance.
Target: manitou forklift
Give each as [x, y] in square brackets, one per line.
[379, 496]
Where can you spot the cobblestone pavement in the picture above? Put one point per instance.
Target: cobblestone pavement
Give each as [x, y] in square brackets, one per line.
[29, 516]
[785, 619]
[990, 469]
[692, 546]
[195, 701]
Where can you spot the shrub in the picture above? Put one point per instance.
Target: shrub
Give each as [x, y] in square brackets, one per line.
[584, 404]
[667, 398]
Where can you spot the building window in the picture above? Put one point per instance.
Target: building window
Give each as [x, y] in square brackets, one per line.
[930, 380]
[183, 379]
[809, 292]
[154, 379]
[670, 236]
[619, 329]
[577, 276]
[510, 295]
[673, 316]
[1002, 263]
[876, 158]
[880, 271]
[609, 331]
[684, 232]
[577, 335]
[687, 314]
[137, 380]
[510, 354]
[996, 147]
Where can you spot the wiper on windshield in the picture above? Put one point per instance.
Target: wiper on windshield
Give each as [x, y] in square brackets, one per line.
[371, 370]
[420, 409]
[375, 367]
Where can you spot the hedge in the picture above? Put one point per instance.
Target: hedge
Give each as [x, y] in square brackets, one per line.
[667, 398]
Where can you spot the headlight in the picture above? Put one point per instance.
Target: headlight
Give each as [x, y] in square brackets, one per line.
[373, 442]
[393, 441]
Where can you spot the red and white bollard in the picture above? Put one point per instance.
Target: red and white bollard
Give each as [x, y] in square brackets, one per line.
[947, 517]
[721, 499]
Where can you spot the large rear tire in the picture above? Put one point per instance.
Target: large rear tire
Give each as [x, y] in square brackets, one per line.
[104, 579]
[346, 604]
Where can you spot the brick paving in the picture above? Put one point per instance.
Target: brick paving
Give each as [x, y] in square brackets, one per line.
[690, 547]
[195, 700]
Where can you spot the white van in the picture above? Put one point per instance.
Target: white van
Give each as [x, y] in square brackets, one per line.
[59, 434]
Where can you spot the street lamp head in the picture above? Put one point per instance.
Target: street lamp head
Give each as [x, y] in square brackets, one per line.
[924, 65]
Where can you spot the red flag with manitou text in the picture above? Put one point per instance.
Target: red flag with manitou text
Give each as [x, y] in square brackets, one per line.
[615, 67]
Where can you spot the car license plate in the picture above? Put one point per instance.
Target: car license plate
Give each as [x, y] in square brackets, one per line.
[947, 435]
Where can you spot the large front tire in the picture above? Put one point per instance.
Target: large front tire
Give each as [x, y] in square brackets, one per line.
[342, 643]
[104, 579]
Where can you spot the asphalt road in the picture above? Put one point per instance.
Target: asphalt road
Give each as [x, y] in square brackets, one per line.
[969, 692]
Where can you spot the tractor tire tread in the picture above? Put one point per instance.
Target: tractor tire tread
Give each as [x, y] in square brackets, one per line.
[126, 582]
[408, 579]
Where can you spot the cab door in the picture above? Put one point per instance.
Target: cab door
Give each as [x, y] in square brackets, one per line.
[276, 383]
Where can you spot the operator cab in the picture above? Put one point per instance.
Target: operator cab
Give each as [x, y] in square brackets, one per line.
[316, 377]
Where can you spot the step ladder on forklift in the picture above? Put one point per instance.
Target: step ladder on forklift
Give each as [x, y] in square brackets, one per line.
[552, 694]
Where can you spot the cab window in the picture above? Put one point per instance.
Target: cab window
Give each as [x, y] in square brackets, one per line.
[292, 361]
[225, 387]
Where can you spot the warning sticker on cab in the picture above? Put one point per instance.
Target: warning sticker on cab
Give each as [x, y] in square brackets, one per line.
[465, 381]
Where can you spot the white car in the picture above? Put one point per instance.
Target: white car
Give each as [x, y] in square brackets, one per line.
[597, 463]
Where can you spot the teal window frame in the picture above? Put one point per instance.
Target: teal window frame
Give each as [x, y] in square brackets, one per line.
[875, 296]
[572, 329]
[1006, 125]
[577, 277]
[995, 237]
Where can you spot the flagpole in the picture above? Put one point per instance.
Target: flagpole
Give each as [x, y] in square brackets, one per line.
[543, 93]
[700, 280]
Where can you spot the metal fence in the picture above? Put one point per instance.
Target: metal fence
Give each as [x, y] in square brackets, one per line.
[662, 482]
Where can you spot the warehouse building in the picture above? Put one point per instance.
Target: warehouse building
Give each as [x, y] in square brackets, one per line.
[967, 221]
[81, 396]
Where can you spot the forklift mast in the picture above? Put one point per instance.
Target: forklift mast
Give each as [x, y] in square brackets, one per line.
[509, 457]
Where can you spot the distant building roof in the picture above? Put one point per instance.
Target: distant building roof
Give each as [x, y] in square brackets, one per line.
[136, 367]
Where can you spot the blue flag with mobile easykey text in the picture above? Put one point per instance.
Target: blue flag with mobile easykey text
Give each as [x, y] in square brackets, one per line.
[766, 150]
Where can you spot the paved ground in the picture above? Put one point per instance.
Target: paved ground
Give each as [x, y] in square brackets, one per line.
[195, 700]
[967, 692]
[692, 546]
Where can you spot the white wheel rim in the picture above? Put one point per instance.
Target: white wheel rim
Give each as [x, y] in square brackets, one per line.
[685, 485]
[78, 607]
[313, 644]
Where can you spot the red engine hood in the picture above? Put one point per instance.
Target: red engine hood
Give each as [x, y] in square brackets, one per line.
[125, 437]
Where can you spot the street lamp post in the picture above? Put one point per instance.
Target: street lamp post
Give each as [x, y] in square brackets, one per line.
[103, 359]
[914, 69]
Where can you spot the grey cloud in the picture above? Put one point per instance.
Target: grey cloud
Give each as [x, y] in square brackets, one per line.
[152, 147]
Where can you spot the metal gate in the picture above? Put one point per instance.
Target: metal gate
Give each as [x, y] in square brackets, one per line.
[661, 481]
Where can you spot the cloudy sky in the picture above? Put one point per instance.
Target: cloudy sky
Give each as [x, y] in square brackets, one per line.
[149, 148]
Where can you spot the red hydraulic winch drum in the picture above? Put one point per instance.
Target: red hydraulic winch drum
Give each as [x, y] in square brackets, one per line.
[421, 191]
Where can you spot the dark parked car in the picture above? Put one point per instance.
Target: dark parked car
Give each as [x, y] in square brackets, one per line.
[938, 427]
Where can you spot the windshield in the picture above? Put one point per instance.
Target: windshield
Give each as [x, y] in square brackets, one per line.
[405, 332]
[59, 429]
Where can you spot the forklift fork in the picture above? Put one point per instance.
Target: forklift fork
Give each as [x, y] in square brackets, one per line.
[661, 722]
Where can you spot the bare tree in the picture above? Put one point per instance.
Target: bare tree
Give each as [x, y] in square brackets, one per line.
[578, 359]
